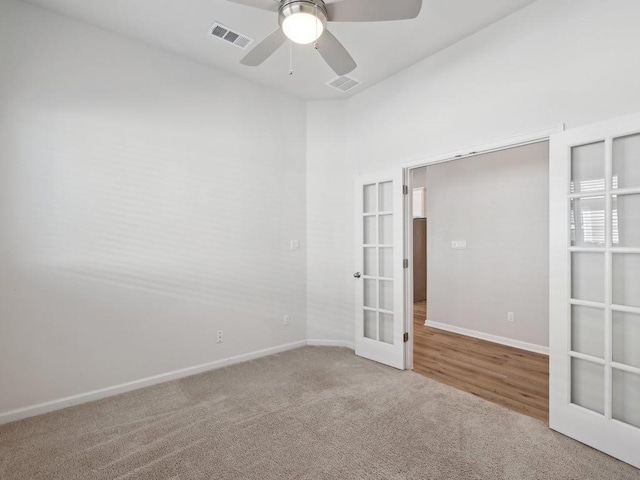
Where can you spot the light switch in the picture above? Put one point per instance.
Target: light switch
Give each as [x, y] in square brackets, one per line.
[295, 245]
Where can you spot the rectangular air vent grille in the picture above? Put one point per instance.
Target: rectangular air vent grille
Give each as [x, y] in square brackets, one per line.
[224, 33]
[344, 83]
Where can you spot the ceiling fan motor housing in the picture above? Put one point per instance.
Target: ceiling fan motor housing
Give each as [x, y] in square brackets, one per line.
[316, 8]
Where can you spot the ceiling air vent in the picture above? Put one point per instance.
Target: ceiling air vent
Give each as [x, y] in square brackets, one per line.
[344, 83]
[223, 33]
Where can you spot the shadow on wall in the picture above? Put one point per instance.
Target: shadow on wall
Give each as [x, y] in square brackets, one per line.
[150, 214]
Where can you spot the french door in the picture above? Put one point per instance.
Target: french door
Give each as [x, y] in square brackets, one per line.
[379, 273]
[595, 286]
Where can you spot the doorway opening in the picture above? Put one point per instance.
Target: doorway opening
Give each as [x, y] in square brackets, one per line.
[479, 274]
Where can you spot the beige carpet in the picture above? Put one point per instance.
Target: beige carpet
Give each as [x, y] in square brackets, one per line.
[312, 413]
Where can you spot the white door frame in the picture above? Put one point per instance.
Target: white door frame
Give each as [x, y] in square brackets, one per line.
[504, 144]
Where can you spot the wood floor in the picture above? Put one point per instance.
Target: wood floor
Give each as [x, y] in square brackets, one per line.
[514, 378]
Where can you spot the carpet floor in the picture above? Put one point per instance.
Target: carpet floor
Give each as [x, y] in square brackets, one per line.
[311, 413]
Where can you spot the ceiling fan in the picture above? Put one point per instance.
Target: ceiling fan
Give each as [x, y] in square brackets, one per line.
[305, 21]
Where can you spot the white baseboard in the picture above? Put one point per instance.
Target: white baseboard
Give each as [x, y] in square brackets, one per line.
[41, 408]
[531, 347]
[331, 343]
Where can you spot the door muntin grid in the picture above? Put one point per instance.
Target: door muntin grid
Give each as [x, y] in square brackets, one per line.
[604, 305]
[378, 249]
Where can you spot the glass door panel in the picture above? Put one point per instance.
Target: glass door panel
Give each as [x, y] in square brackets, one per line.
[587, 330]
[386, 262]
[587, 168]
[386, 295]
[370, 324]
[626, 279]
[625, 220]
[626, 162]
[370, 231]
[386, 328]
[370, 198]
[626, 397]
[370, 297]
[626, 338]
[587, 272]
[587, 222]
[386, 229]
[587, 385]
[370, 261]
[385, 196]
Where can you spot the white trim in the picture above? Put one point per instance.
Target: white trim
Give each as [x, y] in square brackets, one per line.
[421, 212]
[531, 347]
[331, 343]
[46, 407]
[505, 143]
[407, 285]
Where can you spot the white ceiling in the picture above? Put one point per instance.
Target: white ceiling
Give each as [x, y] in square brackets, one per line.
[380, 49]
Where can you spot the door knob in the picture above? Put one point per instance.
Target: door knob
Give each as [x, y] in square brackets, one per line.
[357, 275]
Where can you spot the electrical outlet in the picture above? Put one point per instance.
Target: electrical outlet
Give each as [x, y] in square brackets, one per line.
[511, 317]
[286, 320]
[220, 337]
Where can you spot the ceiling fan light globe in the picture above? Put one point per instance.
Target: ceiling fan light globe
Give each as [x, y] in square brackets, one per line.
[302, 28]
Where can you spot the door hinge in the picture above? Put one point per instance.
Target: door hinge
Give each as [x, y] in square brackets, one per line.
[405, 337]
[405, 263]
[405, 189]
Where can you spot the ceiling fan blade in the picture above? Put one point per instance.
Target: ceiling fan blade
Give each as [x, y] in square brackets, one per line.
[335, 54]
[264, 49]
[271, 5]
[373, 10]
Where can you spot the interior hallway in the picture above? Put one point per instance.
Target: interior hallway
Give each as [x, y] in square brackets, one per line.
[514, 378]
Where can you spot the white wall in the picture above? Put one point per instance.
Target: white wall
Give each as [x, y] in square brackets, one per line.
[146, 202]
[499, 204]
[556, 61]
[329, 191]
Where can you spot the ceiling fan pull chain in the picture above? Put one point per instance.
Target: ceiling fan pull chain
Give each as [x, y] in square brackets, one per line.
[290, 58]
[315, 44]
